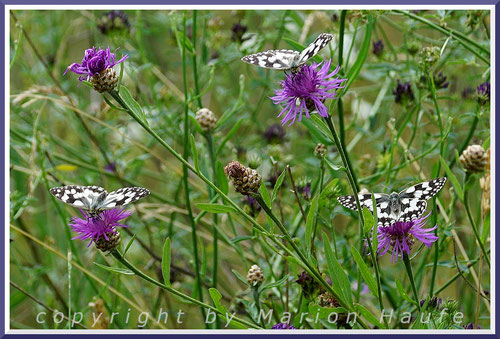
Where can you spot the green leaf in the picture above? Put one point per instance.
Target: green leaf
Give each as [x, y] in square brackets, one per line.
[165, 262]
[340, 282]
[369, 221]
[278, 184]
[267, 200]
[194, 151]
[319, 133]
[369, 316]
[311, 216]
[229, 135]
[403, 293]
[240, 277]
[215, 208]
[221, 177]
[363, 53]
[365, 272]
[334, 167]
[216, 297]
[280, 282]
[132, 104]
[115, 269]
[453, 179]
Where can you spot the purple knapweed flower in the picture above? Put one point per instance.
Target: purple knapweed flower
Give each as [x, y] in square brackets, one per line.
[470, 326]
[282, 326]
[402, 235]
[306, 90]
[92, 227]
[94, 62]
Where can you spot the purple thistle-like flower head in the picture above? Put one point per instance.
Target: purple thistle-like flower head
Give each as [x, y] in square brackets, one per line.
[94, 62]
[402, 235]
[306, 90]
[283, 326]
[91, 227]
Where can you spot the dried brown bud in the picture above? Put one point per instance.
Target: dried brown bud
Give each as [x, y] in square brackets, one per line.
[320, 151]
[206, 119]
[245, 180]
[327, 300]
[474, 159]
[255, 277]
[105, 81]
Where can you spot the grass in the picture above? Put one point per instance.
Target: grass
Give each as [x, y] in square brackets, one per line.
[190, 244]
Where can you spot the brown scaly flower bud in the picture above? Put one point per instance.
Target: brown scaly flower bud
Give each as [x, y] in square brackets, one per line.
[206, 119]
[255, 277]
[245, 180]
[474, 159]
[107, 245]
[320, 151]
[105, 81]
[327, 300]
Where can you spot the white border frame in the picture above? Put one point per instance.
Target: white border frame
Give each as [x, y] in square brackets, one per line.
[8, 8]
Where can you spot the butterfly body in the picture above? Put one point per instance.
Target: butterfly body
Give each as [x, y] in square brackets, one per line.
[285, 59]
[95, 199]
[404, 206]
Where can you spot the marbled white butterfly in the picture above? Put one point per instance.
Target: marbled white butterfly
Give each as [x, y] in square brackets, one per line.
[285, 59]
[407, 205]
[95, 199]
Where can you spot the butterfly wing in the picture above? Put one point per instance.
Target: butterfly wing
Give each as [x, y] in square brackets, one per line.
[77, 196]
[384, 215]
[424, 190]
[124, 196]
[282, 59]
[414, 199]
[412, 209]
[321, 41]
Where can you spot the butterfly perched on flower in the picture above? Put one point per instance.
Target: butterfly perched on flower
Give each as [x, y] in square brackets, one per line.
[285, 59]
[95, 199]
[407, 205]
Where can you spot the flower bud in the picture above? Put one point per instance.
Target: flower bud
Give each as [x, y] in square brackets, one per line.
[105, 81]
[206, 119]
[320, 151]
[474, 159]
[429, 56]
[327, 300]
[255, 277]
[245, 180]
[108, 242]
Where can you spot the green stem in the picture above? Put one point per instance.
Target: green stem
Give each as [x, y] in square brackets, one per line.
[211, 152]
[407, 263]
[186, 297]
[467, 42]
[312, 269]
[185, 176]
[350, 174]
[340, 110]
[471, 219]
[195, 65]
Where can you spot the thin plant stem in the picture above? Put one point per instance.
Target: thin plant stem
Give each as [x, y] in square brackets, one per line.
[215, 235]
[407, 263]
[472, 222]
[118, 256]
[294, 188]
[186, 174]
[195, 65]
[340, 110]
